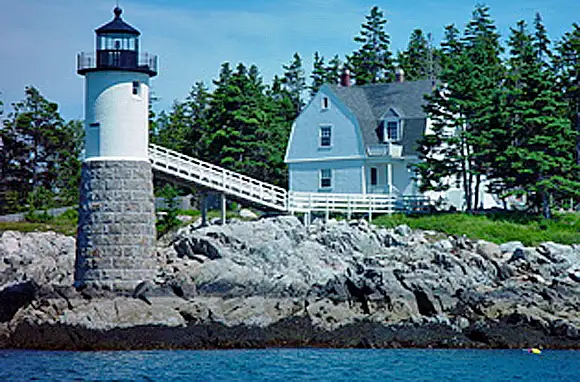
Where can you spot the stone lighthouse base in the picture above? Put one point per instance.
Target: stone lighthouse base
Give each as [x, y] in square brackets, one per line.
[116, 229]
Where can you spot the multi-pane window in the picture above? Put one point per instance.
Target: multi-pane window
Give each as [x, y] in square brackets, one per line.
[392, 130]
[325, 136]
[136, 86]
[325, 178]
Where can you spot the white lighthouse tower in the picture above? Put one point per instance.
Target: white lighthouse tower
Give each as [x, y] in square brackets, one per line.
[116, 231]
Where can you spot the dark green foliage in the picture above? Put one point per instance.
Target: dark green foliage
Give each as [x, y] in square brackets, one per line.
[567, 62]
[372, 62]
[242, 125]
[39, 152]
[294, 82]
[333, 70]
[169, 218]
[417, 59]
[540, 157]
[318, 75]
[184, 128]
[464, 111]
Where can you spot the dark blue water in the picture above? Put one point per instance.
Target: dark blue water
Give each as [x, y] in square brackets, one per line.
[291, 365]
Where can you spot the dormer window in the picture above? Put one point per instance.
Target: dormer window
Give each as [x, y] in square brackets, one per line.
[391, 126]
[325, 103]
[392, 132]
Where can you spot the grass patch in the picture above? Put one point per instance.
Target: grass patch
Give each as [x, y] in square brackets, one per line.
[498, 227]
[65, 223]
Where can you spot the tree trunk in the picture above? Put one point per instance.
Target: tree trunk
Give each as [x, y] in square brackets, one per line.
[546, 206]
[476, 191]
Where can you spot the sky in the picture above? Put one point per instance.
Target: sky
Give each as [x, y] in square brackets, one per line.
[39, 39]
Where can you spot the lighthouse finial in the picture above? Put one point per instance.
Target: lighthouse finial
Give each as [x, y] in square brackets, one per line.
[117, 11]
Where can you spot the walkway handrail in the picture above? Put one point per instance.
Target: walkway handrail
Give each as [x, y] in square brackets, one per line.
[244, 187]
[218, 178]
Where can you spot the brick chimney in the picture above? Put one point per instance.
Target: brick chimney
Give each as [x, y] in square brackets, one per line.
[345, 77]
[399, 75]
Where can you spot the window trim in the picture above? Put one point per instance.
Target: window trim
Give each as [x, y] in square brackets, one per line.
[330, 178]
[324, 103]
[136, 88]
[320, 128]
[386, 122]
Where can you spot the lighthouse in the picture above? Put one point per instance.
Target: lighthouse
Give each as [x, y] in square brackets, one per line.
[116, 229]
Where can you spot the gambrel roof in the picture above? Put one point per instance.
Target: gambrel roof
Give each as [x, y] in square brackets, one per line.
[370, 103]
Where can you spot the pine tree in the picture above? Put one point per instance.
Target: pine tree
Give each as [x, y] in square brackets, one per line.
[568, 67]
[295, 81]
[465, 112]
[372, 62]
[333, 70]
[417, 59]
[540, 159]
[40, 151]
[318, 75]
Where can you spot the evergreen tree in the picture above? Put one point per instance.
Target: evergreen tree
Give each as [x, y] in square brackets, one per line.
[465, 112]
[372, 62]
[69, 151]
[318, 75]
[295, 82]
[417, 59]
[568, 67]
[333, 70]
[540, 158]
[40, 151]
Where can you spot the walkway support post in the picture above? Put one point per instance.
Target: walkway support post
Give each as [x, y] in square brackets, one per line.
[203, 207]
[223, 208]
[390, 178]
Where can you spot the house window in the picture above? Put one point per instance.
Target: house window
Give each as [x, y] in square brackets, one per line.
[392, 131]
[325, 103]
[325, 136]
[136, 87]
[374, 176]
[325, 178]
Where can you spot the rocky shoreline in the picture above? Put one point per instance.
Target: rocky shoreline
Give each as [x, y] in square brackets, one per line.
[275, 283]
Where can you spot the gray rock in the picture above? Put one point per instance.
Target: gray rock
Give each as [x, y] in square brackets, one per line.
[248, 214]
[403, 230]
[510, 247]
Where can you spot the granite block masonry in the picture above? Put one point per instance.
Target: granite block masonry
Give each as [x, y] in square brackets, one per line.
[116, 230]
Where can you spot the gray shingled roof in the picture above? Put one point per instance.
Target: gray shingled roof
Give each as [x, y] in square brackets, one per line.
[370, 102]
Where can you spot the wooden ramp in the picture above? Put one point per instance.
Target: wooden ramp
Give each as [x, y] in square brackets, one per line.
[182, 167]
[217, 178]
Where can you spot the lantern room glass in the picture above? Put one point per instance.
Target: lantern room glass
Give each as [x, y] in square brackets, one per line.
[117, 41]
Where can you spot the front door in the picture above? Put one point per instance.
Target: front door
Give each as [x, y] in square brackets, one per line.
[376, 181]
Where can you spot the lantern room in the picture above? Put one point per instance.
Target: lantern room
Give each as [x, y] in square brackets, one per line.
[117, 48]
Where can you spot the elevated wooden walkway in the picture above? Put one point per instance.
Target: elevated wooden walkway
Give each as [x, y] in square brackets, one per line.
[188, 169]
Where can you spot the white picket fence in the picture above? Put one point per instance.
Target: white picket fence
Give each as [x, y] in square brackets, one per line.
[249, 189]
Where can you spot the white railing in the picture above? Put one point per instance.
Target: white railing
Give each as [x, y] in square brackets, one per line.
[385, 150]
[206, 174]
[349, 203]
[217, 178]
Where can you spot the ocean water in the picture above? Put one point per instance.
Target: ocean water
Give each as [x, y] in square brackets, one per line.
[291, 365]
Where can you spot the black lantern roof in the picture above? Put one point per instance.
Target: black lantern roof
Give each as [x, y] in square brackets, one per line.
[117, 25]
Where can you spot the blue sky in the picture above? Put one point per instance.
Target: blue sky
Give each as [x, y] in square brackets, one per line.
[39, 39]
